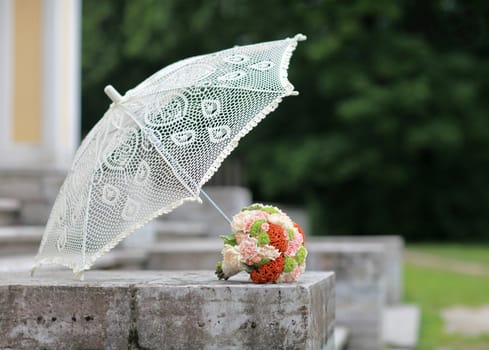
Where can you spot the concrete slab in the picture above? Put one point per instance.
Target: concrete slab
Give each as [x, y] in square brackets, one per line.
[201, 254]
[360, 278]
[469, 321]
[16, 240]
[360, 287]
[393, 247]
[9, 211]
[401, 326]
[340, 337]
[179, 230]
[230, 198]
[164, 310]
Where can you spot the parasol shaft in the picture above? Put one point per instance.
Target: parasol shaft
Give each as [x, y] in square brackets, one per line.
[116, 97]
[215, 206]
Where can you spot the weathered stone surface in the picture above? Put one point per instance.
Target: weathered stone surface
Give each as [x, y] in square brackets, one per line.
[55, 312]
[185, 255]
[121, 259]
[35, 188]
[409, 316]
[230, 198]
[340, 337]
[35, 212]
[350, 260]
[179, 230]
[20, 239]
[9, 211]
[359, 268]
[393, 254]
[16, 263]
[360, 287]
[164, 310]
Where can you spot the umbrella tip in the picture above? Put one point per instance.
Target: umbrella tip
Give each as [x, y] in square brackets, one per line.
[113, 94]
[300, 37]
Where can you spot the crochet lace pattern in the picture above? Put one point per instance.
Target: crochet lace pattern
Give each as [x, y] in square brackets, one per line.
[159, 144]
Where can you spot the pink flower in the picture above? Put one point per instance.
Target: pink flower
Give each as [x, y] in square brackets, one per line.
[240, 235]
[294, 245]
[243, 220]
[291, 276]
[248, 225]
[297, 272]
[249, 250]
[268, 252]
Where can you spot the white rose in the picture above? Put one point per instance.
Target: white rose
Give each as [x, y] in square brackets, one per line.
[282, 220]
[231, 264]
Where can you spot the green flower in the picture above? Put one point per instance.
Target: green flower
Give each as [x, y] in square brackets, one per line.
[263, 238]
[262, 262]
[268, 209]
[301, 254]
[256, 227]
[289, 264]
[291, 234]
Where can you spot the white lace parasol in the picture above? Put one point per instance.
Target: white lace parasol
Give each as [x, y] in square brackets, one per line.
[158, 145]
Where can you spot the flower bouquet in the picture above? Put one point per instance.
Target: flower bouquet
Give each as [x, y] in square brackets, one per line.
[266, 243]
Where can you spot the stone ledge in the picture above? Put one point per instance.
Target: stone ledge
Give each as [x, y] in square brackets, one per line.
[9, 211]
[360, 287]
[164, 310]
[16, 240]
[393, 247]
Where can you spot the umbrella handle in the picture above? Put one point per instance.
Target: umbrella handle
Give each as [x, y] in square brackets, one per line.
[112, 93]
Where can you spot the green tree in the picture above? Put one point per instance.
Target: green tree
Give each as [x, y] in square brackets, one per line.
[390, 133]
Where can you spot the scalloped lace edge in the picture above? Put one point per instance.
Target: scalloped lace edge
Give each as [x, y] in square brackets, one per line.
[78, 269]
[289, 90]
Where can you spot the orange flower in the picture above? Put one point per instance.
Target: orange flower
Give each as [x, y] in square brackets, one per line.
[268, 272]
[301, 231]
[277, 237]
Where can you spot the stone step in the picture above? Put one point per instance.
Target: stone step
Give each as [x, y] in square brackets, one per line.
[360, 278]
[9, 211]
[340, 337]
[393, 253]
[231, 199]
[122, 259]
[118, 259]
[179, 230]
[20, 239]
[360, 286]
[16, 264]
[405, 336]
[201, 254]
[164, 310]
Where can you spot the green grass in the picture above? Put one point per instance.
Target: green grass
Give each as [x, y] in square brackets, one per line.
[465, 252]
[434, 290]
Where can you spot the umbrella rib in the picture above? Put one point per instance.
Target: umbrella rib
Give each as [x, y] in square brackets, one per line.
[181, 171]
[216, 86]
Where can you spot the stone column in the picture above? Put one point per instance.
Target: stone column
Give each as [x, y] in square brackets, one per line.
[39, 83]
[39, 100]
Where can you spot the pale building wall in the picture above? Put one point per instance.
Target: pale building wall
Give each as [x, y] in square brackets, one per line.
[39, 83]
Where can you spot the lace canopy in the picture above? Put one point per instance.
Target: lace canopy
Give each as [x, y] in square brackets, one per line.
[158, 145]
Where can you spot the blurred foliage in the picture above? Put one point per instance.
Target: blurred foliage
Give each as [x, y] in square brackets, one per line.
[390, 133]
